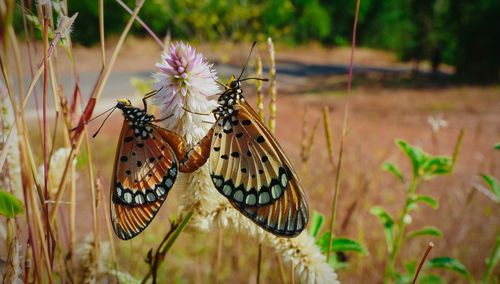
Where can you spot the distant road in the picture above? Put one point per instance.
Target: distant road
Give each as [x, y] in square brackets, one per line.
[290, 74]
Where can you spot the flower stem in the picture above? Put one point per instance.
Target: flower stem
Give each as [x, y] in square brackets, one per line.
[165, 245]
[492, 261]
[401, 229]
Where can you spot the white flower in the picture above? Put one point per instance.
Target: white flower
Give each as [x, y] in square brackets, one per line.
[185, 81]
[56, 170]
[436, 123]
[11, 142]
[65, 25]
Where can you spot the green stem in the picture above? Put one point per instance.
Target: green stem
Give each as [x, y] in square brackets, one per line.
[492, 261]
[165, 246]
[389, 271]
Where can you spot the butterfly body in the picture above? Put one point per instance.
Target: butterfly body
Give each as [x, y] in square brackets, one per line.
[137, 118]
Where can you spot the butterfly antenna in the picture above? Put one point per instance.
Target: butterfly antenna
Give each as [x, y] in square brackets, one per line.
[255, 78]
[95, 134]
[93, 118]
[248, 59]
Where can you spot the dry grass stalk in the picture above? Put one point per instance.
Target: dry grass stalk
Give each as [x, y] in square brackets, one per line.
[272, 86]
[303, 143]
[328, 134]
[344, 133]
[310, 142]
[258, 84]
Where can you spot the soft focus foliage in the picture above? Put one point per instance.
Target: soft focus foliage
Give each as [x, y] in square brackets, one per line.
[10, 206]
[447, 31]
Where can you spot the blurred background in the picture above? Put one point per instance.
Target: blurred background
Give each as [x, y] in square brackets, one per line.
[463, 34]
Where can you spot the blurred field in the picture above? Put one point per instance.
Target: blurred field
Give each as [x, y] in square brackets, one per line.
[383, 107]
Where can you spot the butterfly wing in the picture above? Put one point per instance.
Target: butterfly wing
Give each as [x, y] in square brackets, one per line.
[249, 167]
[144, 172]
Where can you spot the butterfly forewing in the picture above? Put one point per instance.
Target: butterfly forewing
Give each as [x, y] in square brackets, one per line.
[249, 167]
[145, 170]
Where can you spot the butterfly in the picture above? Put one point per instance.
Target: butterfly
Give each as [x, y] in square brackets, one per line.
[148, 159]
[249, 167]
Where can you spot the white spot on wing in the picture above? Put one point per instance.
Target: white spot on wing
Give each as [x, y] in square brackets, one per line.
[139, 198]
[264, 197]
[238, 196]
[127, 196]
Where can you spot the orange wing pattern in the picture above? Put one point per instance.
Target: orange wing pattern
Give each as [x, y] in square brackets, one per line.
[145, 170]
[249, 167]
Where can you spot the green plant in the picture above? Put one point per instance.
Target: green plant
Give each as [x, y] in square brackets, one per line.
[424, 167]
[10, 206]
[339, 246]
[492, 261]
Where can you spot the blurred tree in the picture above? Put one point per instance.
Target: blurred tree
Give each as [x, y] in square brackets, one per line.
[458, 32]
[475, 34]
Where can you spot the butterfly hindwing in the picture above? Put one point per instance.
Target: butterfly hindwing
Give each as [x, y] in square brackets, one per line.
[145, 170]
[249, 167]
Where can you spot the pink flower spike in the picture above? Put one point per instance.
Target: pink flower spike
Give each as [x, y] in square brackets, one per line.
[185, 81]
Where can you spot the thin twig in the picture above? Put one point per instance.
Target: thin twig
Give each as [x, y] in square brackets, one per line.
[101, 32]
[144, 25]
[344, 132]
[456, 150]
[272, 86]
[422, 260]
[258, 84]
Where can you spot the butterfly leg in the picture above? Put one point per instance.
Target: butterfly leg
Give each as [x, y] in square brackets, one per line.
[147, 96]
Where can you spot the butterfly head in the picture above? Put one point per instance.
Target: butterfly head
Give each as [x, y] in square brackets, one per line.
[123, 104]
[234, 84]
[137, 118]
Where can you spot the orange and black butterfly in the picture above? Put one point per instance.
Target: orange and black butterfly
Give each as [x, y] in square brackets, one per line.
[146, 167]
[248, 166]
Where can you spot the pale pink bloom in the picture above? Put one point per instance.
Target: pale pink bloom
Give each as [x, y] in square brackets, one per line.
[185, 80]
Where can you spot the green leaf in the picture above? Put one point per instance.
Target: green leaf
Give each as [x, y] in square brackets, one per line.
[322, 242]
[10, 206]
[493, 184]
[426, 231]
[433, 203]
[431, 279]
[393, 170]
[345, 244]
[388, 223]
[316, 223]
[339, 244]
[450, 264]
[497, 146]
[416, 155]
[438, 165]
[402, 278]
[411, 267]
